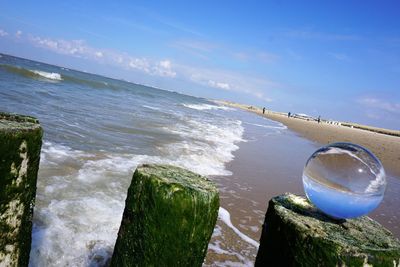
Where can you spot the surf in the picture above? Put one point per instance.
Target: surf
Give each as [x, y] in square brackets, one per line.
[34, 74]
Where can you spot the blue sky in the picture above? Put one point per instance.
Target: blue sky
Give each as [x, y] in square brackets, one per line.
[337, 59]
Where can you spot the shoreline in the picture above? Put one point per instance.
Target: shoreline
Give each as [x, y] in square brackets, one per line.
[385, 145]
[268, 163]
[257, 175]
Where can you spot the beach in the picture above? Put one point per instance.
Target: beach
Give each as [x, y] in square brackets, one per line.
[271, 163]
[386, 147]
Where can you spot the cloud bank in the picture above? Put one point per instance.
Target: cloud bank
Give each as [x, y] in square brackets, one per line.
[219, 79]
[380, 104]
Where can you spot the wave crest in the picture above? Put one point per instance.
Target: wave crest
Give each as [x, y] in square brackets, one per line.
[35, 74]
[48, 75]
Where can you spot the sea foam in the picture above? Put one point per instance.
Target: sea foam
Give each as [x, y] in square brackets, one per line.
[81, 194]
[205, 107]
[224, 215]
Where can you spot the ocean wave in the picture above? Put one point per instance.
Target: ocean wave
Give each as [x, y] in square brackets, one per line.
[48, 75]
[80, 196]
[35, 74]
[80, 200]
[207, 146]
[54, 76]
[206, 107]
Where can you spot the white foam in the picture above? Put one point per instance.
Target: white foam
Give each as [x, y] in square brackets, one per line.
[71, 209]
[224, 216]
[206, 107]
[280, 126]
[57, 154]
[48, 75]
[80, 200]
[216, 246]
[81, 195]
[76, 232]
[207, 147]
[150, 107]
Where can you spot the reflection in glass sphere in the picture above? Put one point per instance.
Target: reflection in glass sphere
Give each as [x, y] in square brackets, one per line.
[344, 180]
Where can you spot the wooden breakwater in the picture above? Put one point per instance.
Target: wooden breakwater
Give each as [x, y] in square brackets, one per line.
[20, 144]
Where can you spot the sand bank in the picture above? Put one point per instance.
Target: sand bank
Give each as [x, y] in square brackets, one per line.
[386, 146]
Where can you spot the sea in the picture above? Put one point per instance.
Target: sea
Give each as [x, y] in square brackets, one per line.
[97, 130]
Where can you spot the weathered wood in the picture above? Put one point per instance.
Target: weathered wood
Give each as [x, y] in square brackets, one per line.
[20, 144]
[295, 233]
[169, 217]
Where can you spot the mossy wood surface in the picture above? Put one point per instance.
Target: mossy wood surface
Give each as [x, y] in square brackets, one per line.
[295, 233]
[169, 217]
[20, 144]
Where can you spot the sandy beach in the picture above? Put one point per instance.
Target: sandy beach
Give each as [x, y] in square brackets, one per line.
[271, 163]
[386, 147]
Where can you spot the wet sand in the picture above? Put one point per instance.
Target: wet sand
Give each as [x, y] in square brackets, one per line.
[271, 164]
[264, 166]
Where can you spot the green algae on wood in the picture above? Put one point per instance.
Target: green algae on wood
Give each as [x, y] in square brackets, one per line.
[20, 144]
[169, 216]
[295, 233]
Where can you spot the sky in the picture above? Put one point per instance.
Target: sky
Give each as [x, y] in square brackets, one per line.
[337, 59]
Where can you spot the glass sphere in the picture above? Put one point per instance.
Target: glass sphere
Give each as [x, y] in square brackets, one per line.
[344, 180]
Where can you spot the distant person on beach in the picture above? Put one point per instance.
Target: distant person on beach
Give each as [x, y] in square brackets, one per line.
[263, 110]
[319, 119]
[288, 115]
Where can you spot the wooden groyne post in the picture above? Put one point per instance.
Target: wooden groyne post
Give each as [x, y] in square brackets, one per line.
[169, 217]
[20, 144]
[295, 233]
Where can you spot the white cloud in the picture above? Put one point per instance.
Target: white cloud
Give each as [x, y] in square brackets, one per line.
[229, 80]
[140, 64]
[79, 48]
[164, 68]
[118, 59]
[74, 47]
[99, 54]
[261, 96]
[3, 33]
[166, 64]
[380, 104]
[219, 85]
[18, 34]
